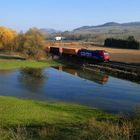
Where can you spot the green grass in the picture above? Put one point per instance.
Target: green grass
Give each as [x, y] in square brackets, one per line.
[35, 120]
[15, 111]
[15, 64]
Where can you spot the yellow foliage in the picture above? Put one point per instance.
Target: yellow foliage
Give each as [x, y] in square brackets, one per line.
[6, 36]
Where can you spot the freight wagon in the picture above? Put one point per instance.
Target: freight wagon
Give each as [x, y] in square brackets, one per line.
[70, 51]
[56, 50]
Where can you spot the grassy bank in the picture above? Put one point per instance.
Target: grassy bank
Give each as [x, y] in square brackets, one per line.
[34, 113]
[34, 120]
[15, 64]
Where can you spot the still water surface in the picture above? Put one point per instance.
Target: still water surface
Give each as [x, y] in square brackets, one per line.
[75, 86]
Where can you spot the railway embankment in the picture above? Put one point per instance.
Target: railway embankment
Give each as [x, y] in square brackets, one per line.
[123, 72]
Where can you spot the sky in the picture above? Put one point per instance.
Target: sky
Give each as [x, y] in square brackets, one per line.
[66, 14]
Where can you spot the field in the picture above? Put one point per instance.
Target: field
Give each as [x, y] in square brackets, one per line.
[26, 119]
[15, 112]
[15, 64]
[120, 55]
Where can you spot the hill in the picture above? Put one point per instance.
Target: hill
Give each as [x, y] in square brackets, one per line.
[47, 31]
[108, 25]
[111, 29]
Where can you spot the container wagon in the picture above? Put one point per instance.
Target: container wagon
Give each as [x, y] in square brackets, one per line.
[70, 51]
[56, 51]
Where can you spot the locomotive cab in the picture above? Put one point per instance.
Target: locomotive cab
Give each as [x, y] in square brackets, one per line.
[104, 55]
[98, 55]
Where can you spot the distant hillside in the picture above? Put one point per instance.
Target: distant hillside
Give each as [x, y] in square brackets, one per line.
[98, 34]
[111, 29]
[108, 25]
[46, 31]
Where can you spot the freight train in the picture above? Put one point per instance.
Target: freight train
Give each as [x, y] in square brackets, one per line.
[98, 55]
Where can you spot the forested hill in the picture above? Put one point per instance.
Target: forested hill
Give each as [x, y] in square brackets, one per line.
[99, 33]
[108, 25]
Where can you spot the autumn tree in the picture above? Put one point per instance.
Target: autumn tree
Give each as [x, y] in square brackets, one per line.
[19, 42]
[34, 42]
[30, 43]
[6, 38]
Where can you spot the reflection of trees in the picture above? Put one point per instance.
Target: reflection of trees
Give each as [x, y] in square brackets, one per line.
[31, 78]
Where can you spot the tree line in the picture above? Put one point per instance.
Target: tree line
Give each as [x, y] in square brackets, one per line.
[129, 43]
[74, 36]
[30, 43]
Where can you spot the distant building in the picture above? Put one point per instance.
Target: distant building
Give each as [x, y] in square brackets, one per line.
[59, 38]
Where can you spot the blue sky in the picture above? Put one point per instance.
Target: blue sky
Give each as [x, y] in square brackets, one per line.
[66, 14]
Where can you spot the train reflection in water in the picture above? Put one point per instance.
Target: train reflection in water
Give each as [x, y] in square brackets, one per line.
[5, 72]
[95, 76]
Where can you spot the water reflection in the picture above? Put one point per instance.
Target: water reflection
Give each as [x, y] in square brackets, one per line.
[107, 93]
[69, 70]
[5, 72]
[32, 79]
[95, 76]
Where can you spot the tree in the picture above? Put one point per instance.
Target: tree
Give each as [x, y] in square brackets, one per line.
[30, 43]
[33, 42]
[19, 42]
[131, 38]
[120, 43]
[6, 38]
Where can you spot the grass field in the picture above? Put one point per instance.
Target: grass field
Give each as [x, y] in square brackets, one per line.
[15, 112]
[36, 120]
[15, 64]
[26, 119]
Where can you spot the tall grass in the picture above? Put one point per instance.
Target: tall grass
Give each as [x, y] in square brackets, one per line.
[91, 130]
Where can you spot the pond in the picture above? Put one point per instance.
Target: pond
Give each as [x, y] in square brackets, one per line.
[68, 84]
